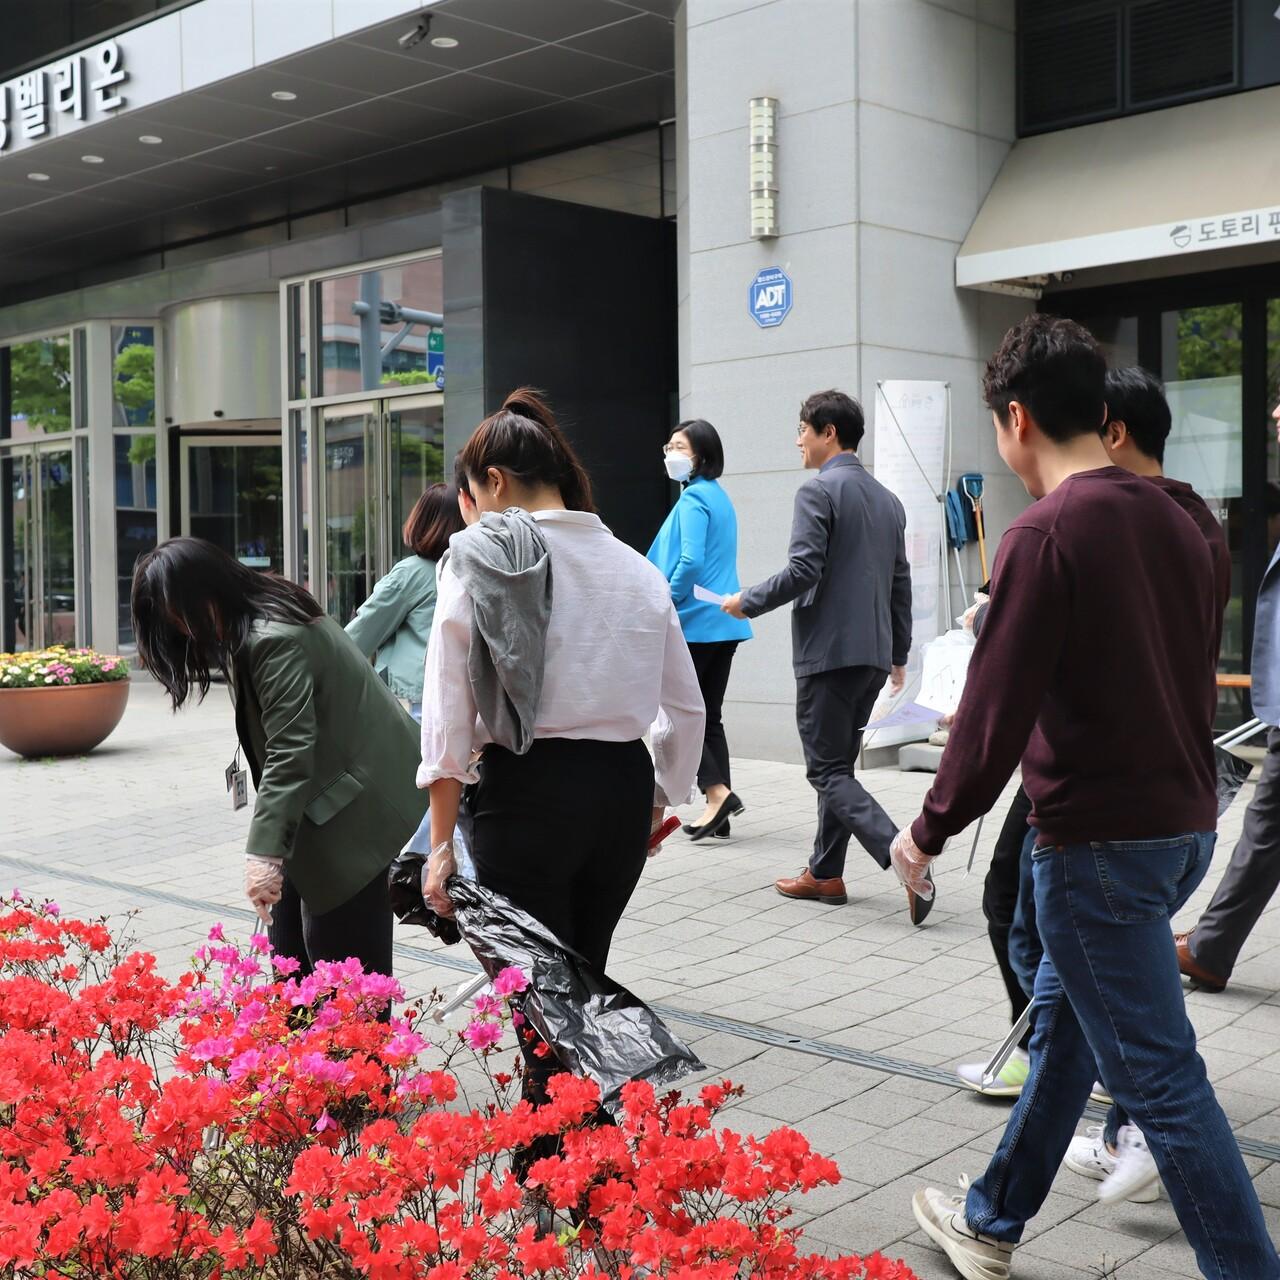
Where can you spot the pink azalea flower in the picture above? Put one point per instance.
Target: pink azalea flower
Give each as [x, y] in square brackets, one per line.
[216, 934]
[285, 964]
[326, 1121]
[244, 1063]
[482, 1035]
[511, 980]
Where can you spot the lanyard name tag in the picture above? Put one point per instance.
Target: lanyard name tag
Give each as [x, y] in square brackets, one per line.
[237, 782]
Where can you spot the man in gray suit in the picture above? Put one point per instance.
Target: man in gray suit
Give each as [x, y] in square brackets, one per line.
[1208, 953]
[849, 584]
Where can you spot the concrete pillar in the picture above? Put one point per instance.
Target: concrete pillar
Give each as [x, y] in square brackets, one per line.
[100, 570]
[895, 116]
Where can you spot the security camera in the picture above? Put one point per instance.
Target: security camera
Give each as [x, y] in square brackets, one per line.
[416, 35]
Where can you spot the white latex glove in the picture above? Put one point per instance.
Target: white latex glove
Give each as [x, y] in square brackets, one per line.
[967, 617]
[910, 864]
[263, 884]
[435, 871]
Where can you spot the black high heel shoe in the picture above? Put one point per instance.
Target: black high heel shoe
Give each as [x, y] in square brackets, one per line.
[730, 808]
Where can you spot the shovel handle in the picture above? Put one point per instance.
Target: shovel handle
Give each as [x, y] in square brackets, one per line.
[470, 991]
[982, 539]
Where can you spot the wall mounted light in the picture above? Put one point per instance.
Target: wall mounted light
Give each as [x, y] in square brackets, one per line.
[763, 131]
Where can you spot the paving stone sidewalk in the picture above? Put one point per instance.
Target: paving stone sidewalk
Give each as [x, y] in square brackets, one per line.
[143, 823]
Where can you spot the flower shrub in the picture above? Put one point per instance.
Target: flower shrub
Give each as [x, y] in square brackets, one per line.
[59, 666]
[248, 1122]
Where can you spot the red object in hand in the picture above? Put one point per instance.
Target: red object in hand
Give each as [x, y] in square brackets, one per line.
[662, 832]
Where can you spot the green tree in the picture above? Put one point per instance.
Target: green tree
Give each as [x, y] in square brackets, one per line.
[135, 387]
[1209, 344]
[40, 376]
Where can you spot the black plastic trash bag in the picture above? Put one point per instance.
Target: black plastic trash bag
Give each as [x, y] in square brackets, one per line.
[595, 1027]
[404, 888]
[1232, 772]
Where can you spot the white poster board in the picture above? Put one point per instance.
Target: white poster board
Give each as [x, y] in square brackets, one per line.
[911, 426]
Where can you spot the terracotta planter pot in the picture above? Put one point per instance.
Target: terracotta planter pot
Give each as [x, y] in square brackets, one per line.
[62, 720]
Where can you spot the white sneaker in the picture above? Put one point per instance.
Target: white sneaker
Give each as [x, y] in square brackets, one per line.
[1008, 1082]
[974, 1256]
[1088, 1156]
[1100, 1095]
[1136, 1176]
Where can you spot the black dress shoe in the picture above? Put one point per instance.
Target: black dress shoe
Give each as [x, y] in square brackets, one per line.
[919, 907]
[731, 807]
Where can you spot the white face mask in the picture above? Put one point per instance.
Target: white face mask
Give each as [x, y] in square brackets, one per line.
[679, 466]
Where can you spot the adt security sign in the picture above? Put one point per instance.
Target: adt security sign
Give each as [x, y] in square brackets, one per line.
[769, 298]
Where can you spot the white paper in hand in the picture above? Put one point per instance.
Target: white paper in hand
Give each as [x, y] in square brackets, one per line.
[708, 597]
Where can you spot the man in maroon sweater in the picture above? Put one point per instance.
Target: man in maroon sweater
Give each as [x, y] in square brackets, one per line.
[1095, 669]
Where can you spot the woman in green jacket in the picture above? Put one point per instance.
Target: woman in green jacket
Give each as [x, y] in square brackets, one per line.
[394, 624]
[331, 751]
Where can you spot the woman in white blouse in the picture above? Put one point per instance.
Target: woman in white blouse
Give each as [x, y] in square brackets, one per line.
[562, 827]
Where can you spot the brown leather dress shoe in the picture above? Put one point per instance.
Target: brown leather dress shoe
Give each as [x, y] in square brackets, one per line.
[805, 886]
[1190, 967]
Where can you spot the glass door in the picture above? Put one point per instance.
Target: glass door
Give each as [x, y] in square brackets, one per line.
[39, 548]
[351, 499]
[377, 457]
[415, 453]
[231, 496]
[1201, 354]
[17, 477]
[57, 542]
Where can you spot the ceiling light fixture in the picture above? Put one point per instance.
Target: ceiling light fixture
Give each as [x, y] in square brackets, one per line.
[92, 159]
[151, 139]
[415, 35]
[284, 95]
[38, 177]
[444, 42]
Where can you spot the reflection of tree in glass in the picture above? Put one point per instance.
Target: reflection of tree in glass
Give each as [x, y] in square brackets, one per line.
[1209, 341]
[40, 375]
[142, 449]
[135, 387]
[408, 378]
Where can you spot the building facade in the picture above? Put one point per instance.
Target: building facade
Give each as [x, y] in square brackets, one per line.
[264, 264]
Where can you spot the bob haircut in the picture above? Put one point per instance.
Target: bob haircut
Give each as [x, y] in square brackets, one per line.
[522, 439]
[435, 518]
[193, 606]
[708, 452]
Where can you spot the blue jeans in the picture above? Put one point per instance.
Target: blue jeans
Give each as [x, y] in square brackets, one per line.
[1025, 949]
[1026, 952]
[1108, 991]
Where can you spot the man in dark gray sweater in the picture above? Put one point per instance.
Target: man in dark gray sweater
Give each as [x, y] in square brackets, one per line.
[849, 585]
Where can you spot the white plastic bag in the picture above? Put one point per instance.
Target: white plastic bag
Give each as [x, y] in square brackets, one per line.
[946, 662]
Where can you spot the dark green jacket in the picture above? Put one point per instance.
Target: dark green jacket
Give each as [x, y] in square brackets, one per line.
[333, 757]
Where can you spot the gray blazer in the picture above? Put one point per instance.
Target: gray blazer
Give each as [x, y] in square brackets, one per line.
[1265, 693]
[846, 573]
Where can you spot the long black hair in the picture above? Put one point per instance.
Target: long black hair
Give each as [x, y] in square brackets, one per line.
[193, 606]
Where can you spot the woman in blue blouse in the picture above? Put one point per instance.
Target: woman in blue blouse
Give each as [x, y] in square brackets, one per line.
[698, 546]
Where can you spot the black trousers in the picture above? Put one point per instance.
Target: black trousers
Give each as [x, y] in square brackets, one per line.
[831, 708]
[712, 662]
[360, 927]
[1251, 877]
[1000, 897]
[562, 831]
